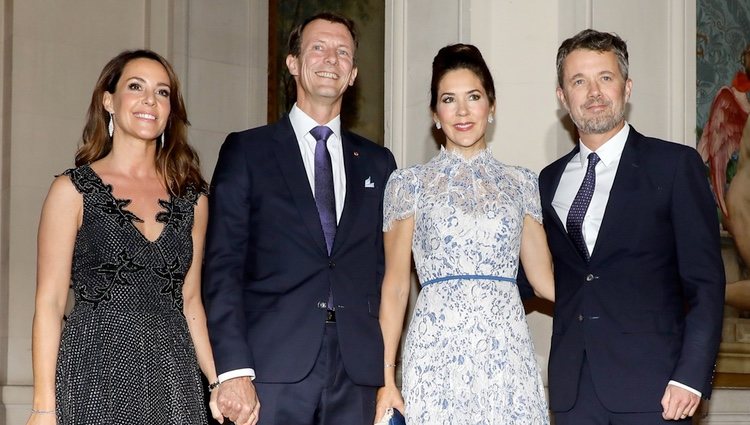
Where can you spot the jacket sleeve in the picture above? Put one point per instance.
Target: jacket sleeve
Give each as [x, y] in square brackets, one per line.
[226, 246]
[701, 271]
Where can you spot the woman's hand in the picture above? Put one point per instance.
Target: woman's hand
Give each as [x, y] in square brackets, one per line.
[42, 419]
[214, 406]
[388, 396]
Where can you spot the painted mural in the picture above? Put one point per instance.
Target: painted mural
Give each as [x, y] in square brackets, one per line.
[723, 140]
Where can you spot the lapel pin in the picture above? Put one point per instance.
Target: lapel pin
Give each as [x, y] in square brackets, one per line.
[356, 153]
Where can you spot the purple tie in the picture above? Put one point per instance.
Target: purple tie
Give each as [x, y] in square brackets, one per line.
[325, 199]
[580, 205]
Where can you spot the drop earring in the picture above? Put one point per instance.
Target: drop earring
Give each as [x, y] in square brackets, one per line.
[437, 125]
[111, 125]
[161, 140]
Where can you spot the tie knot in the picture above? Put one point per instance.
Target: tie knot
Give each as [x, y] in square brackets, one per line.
[593, 159]
[321, 133]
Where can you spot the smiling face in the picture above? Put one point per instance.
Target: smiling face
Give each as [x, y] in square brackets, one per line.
[594, 92]
[462, 110]
[325, 65]
[140, 103]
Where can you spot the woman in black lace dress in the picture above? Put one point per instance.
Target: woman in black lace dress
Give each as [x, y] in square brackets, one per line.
[126, 228]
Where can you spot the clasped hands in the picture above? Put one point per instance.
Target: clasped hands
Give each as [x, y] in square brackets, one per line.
[236, 400]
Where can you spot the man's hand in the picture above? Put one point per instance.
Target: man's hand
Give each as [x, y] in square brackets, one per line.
[679, 403]
[238, 401]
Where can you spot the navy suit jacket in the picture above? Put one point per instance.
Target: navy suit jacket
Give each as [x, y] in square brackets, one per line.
[648, 306]
[267, 270]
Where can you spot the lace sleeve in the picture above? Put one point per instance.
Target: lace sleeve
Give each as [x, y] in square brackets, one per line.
[399, 201]
[532, 204]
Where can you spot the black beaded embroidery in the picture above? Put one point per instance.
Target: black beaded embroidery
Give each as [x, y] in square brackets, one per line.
[126, 355]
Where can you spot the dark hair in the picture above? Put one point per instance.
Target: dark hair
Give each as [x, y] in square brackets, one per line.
[460, 56]
[177, 162]
[590, 39]
[295, 37]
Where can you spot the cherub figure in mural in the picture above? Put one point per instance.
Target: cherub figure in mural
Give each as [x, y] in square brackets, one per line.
[738, 223]
[727, 132]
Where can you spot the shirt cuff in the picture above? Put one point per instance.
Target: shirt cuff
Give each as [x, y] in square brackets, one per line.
[237, 373]
[675, 383]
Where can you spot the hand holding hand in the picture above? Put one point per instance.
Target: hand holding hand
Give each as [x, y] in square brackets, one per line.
[238, 401]
[213, 405]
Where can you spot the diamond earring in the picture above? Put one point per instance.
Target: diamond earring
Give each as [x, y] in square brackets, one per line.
[437, 125]
[111, 125]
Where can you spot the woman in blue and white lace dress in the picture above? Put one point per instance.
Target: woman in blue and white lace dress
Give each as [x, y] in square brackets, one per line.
[468, 357]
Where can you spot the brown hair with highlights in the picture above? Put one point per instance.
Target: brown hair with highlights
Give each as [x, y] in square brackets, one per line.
[177, 162]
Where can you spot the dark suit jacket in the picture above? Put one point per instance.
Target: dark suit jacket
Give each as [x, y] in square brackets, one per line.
[648, 306]
[267, 270]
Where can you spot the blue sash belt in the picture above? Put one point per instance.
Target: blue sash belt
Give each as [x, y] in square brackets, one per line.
[468, 277]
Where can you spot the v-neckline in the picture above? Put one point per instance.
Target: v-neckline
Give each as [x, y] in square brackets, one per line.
[110, 190]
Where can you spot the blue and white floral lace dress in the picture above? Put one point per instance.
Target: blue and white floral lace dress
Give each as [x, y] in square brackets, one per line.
[468, 357]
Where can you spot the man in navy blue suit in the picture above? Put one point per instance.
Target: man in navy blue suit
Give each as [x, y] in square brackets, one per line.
[639, 280]
[294, 252]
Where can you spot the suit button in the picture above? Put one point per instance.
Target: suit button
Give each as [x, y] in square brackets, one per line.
[580, 317]
[322, 304]
[589, 278]
[331, 265]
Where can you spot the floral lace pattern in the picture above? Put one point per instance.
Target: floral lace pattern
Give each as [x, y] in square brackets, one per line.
[468, 357]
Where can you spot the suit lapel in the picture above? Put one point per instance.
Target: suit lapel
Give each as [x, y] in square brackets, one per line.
[354, 188]
[624, 189]
[289, 159]
[550, 186]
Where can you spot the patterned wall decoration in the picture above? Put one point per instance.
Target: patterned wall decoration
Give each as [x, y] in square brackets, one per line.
[723, 90]
[723, 33]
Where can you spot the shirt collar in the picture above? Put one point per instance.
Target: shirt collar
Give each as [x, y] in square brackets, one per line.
[303, 123]
[610, 152]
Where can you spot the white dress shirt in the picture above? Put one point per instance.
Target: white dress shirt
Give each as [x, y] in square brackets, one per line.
[609, 154]
[302, 124]
[609, 158]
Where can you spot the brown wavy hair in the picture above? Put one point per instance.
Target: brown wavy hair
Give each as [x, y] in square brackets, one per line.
[177, 163]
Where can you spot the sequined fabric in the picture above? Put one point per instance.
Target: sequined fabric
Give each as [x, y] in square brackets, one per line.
[468, 357]
[126, 356]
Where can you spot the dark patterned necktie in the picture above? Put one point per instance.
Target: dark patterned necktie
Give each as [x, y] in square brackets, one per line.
[325, 199]
[580, 205]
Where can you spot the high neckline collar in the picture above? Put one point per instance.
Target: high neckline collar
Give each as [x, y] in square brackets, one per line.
[482, 156]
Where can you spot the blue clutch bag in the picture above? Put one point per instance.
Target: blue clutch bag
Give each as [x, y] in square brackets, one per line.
[392, 417]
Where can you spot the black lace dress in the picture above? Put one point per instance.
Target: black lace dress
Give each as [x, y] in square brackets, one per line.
[126, 356]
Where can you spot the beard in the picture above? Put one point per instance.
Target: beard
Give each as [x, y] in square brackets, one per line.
[602, 122]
